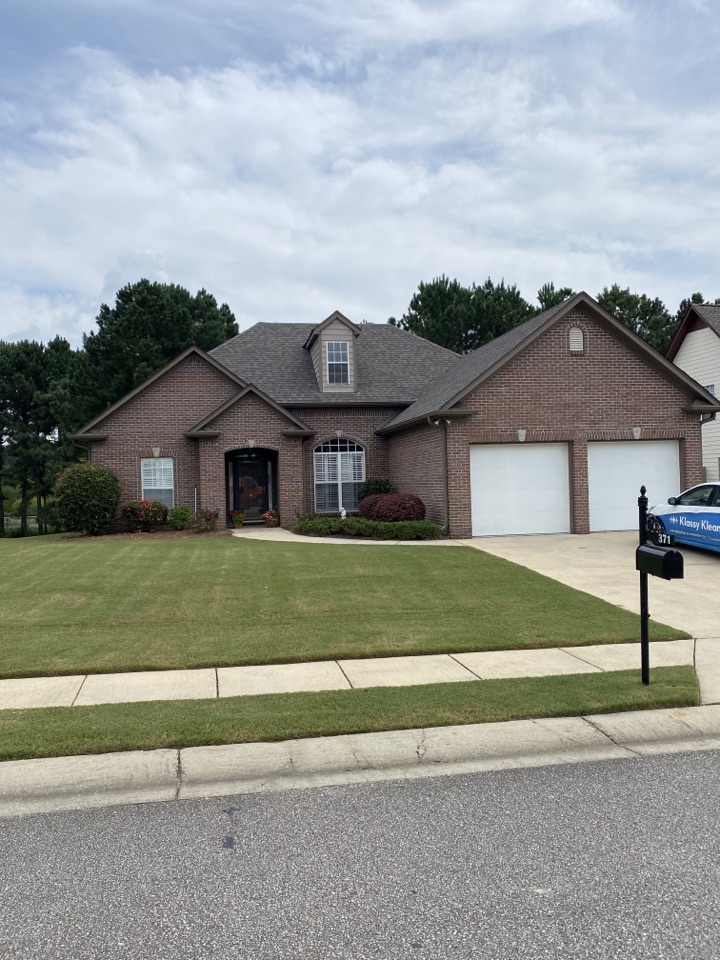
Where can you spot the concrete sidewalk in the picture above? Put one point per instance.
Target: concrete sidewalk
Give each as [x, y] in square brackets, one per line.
[212, 683]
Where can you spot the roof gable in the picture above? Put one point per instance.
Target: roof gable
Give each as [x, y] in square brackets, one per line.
[334, 316]
[699, 316]
[474, 368]
[200, 427]
[191, 351]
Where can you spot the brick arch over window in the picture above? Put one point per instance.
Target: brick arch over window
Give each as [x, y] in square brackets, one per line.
[339, 469]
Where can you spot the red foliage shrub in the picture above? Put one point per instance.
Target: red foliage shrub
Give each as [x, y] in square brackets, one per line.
[392, 506]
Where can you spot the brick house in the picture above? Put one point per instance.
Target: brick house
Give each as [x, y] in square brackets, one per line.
[696, 350]
[550, 428]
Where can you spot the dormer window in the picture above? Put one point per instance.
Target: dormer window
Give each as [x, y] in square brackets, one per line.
[332, 346]
[338, 362]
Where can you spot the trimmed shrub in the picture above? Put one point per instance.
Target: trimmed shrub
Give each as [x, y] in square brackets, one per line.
[314, 526]
[206, 521]
[87, 497]
[392, 507]
[179, 518]
[144, 515]
[373, 485]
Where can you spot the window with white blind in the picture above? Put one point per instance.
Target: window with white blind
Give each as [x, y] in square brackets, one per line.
[339, 471]
[158, 480]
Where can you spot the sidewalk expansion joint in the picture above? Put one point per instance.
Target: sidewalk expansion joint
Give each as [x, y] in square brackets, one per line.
[339, 666]
[217, 684]
[79, 691]
[421, 748]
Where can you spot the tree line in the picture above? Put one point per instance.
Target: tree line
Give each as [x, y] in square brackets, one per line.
[48, 391]
[464, 318]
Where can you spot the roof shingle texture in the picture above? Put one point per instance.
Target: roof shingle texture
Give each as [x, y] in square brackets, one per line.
[710, 312]
[393, 366]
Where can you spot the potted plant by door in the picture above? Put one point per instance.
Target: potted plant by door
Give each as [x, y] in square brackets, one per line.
[237, 517]
[271, 517]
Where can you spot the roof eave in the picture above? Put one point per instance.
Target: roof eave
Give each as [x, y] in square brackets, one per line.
[459, 413]
[88, 437]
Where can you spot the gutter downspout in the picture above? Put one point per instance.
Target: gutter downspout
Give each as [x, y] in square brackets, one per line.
[446, 491]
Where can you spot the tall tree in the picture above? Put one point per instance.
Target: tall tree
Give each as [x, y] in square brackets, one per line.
[464, 318]
[148, 326]
[441, 312]
[548, 296]
[31, 382]
[649, 319]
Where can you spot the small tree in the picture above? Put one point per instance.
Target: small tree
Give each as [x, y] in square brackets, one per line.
[87, 497]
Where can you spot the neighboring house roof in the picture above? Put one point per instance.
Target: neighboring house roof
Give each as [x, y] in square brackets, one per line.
[699, 315]
[469, 371]
[393, 366]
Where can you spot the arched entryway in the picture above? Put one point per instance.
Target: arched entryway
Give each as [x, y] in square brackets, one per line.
[251, 482]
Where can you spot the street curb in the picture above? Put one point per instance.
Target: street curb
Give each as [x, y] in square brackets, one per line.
[73, 783]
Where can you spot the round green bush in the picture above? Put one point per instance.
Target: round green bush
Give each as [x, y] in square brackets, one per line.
[87, 497]
[179, 518]
[373, 485]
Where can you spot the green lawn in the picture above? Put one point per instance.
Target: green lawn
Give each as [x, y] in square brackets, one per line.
[64, 731]
[111, 605]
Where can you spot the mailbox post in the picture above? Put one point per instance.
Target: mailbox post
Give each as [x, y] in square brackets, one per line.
[658, 562]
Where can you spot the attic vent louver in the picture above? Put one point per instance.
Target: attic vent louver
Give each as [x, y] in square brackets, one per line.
[576, 340]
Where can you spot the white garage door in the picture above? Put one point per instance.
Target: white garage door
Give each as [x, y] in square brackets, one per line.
[616, 471]
[520, 488]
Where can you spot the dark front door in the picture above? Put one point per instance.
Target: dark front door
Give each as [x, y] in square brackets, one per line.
[251, 482]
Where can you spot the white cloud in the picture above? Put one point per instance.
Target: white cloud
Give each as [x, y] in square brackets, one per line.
[473, 139]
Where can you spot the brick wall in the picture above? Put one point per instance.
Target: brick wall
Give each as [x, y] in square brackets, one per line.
[417, 465]
[556, 396]
[158, 417]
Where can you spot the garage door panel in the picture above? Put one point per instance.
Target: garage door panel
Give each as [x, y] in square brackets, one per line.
[617, 470]
[520, 488]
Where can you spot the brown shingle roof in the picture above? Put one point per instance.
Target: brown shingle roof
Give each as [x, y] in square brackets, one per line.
[393, 366]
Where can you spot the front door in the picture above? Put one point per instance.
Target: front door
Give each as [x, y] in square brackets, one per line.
[251, 482]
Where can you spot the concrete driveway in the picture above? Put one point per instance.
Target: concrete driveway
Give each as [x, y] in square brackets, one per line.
[603, 564]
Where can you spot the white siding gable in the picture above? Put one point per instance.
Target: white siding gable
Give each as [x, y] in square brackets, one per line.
[699, 355]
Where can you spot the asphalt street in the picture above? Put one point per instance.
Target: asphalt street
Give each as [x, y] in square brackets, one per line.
[619, 859]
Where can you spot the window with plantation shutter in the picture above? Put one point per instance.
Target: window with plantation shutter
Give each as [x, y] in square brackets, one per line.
[339, 471]
[158, 480]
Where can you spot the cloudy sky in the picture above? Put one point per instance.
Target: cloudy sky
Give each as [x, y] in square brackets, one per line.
[298, 156]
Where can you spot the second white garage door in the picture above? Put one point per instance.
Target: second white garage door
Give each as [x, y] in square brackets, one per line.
[520, 488]
[616, 471]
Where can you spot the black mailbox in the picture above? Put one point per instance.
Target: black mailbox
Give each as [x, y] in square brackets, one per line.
[659, 562]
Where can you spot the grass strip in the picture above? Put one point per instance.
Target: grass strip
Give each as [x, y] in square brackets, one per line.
[66, 731]
[117, 605]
